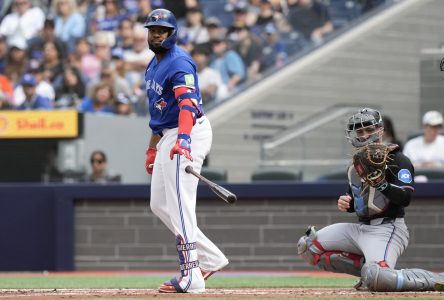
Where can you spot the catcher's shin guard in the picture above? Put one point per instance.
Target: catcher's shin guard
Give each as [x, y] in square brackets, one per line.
[191, 279]
[332, 261]
[382, 279]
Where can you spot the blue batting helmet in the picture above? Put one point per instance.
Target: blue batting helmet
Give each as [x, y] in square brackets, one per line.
[164, 18]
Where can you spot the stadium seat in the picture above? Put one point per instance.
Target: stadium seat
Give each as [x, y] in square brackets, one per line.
[343, 11]
[276, 174]
[339, 175]
[430, 173]
[214, 174]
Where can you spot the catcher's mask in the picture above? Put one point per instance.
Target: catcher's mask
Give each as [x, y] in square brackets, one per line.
[164, 18]
[364, 127]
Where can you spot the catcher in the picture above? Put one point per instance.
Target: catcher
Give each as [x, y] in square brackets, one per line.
[380, 188]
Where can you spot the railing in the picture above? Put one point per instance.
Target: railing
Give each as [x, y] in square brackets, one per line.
[301, 130]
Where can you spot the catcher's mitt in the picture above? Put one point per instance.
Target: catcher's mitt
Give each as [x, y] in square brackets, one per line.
[371, 160]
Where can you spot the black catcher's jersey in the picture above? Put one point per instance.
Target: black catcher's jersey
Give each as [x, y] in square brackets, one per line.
[369, 203]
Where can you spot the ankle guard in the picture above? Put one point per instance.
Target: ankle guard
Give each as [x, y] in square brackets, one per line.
[380, 279]
[183, 249]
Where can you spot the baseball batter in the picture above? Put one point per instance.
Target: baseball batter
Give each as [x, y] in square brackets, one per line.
[181, 136]
[370, 248]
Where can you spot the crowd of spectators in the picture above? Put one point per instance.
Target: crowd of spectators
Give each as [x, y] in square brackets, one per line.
[91, 55]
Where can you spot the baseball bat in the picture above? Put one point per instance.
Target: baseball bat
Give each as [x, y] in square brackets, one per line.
[223, 193]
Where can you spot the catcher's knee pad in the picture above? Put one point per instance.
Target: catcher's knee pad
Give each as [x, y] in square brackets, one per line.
[333, 261]
[307, 249]
[384, 279]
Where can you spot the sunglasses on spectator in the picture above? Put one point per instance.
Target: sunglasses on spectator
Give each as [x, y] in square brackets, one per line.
[99, 161]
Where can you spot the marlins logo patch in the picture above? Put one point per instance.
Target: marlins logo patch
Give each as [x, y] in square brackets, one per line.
[160, 104]
[189, 79]
[404, 175]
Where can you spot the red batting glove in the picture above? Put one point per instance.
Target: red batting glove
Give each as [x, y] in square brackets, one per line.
[182, 146]
[150, 157]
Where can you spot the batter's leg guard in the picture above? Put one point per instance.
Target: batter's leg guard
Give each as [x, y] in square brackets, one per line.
[191, 279]
[384, 279]
[333, 261]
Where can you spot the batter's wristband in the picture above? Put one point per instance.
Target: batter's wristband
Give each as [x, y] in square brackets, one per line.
[184, 136]
[150, 148]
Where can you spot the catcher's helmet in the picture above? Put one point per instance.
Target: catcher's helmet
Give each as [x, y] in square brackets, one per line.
[164, 18]
[365, 118]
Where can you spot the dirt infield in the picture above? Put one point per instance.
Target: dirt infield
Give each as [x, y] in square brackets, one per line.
[210, 293]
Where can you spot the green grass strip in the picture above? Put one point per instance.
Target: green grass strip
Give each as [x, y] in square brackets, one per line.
[148, 281]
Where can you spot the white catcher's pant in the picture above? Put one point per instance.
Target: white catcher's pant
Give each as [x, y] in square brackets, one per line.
[173, 192]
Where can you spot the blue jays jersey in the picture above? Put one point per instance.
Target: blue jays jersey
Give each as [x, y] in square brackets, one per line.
[175, 69]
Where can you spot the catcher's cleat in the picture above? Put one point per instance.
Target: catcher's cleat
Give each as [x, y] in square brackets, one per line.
[360, 286]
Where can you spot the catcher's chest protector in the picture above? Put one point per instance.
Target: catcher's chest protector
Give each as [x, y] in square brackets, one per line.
[368, 201]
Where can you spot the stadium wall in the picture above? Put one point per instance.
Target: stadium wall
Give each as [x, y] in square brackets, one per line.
[96, 227]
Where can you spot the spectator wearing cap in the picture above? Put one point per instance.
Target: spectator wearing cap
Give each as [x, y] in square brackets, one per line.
[122, 70]
[123, 105]
[71, 89]
[311, 18]
[35, 45]
[228, 63]
[16, 60]
[118, 61]
[267, 14]
[33, 100]
[427, 150]
[274, 53]
[194, 27]
[184, 42]
[24, 22]
[240, 15]
[248, 45]
[43, 87]
[210, 82]
[214, 28]
[70, 25]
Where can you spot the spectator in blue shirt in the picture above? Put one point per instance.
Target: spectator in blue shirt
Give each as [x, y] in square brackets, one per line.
[32, 100]
[229, 64]
[101, 100]
[274, 53]
[70, 25]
